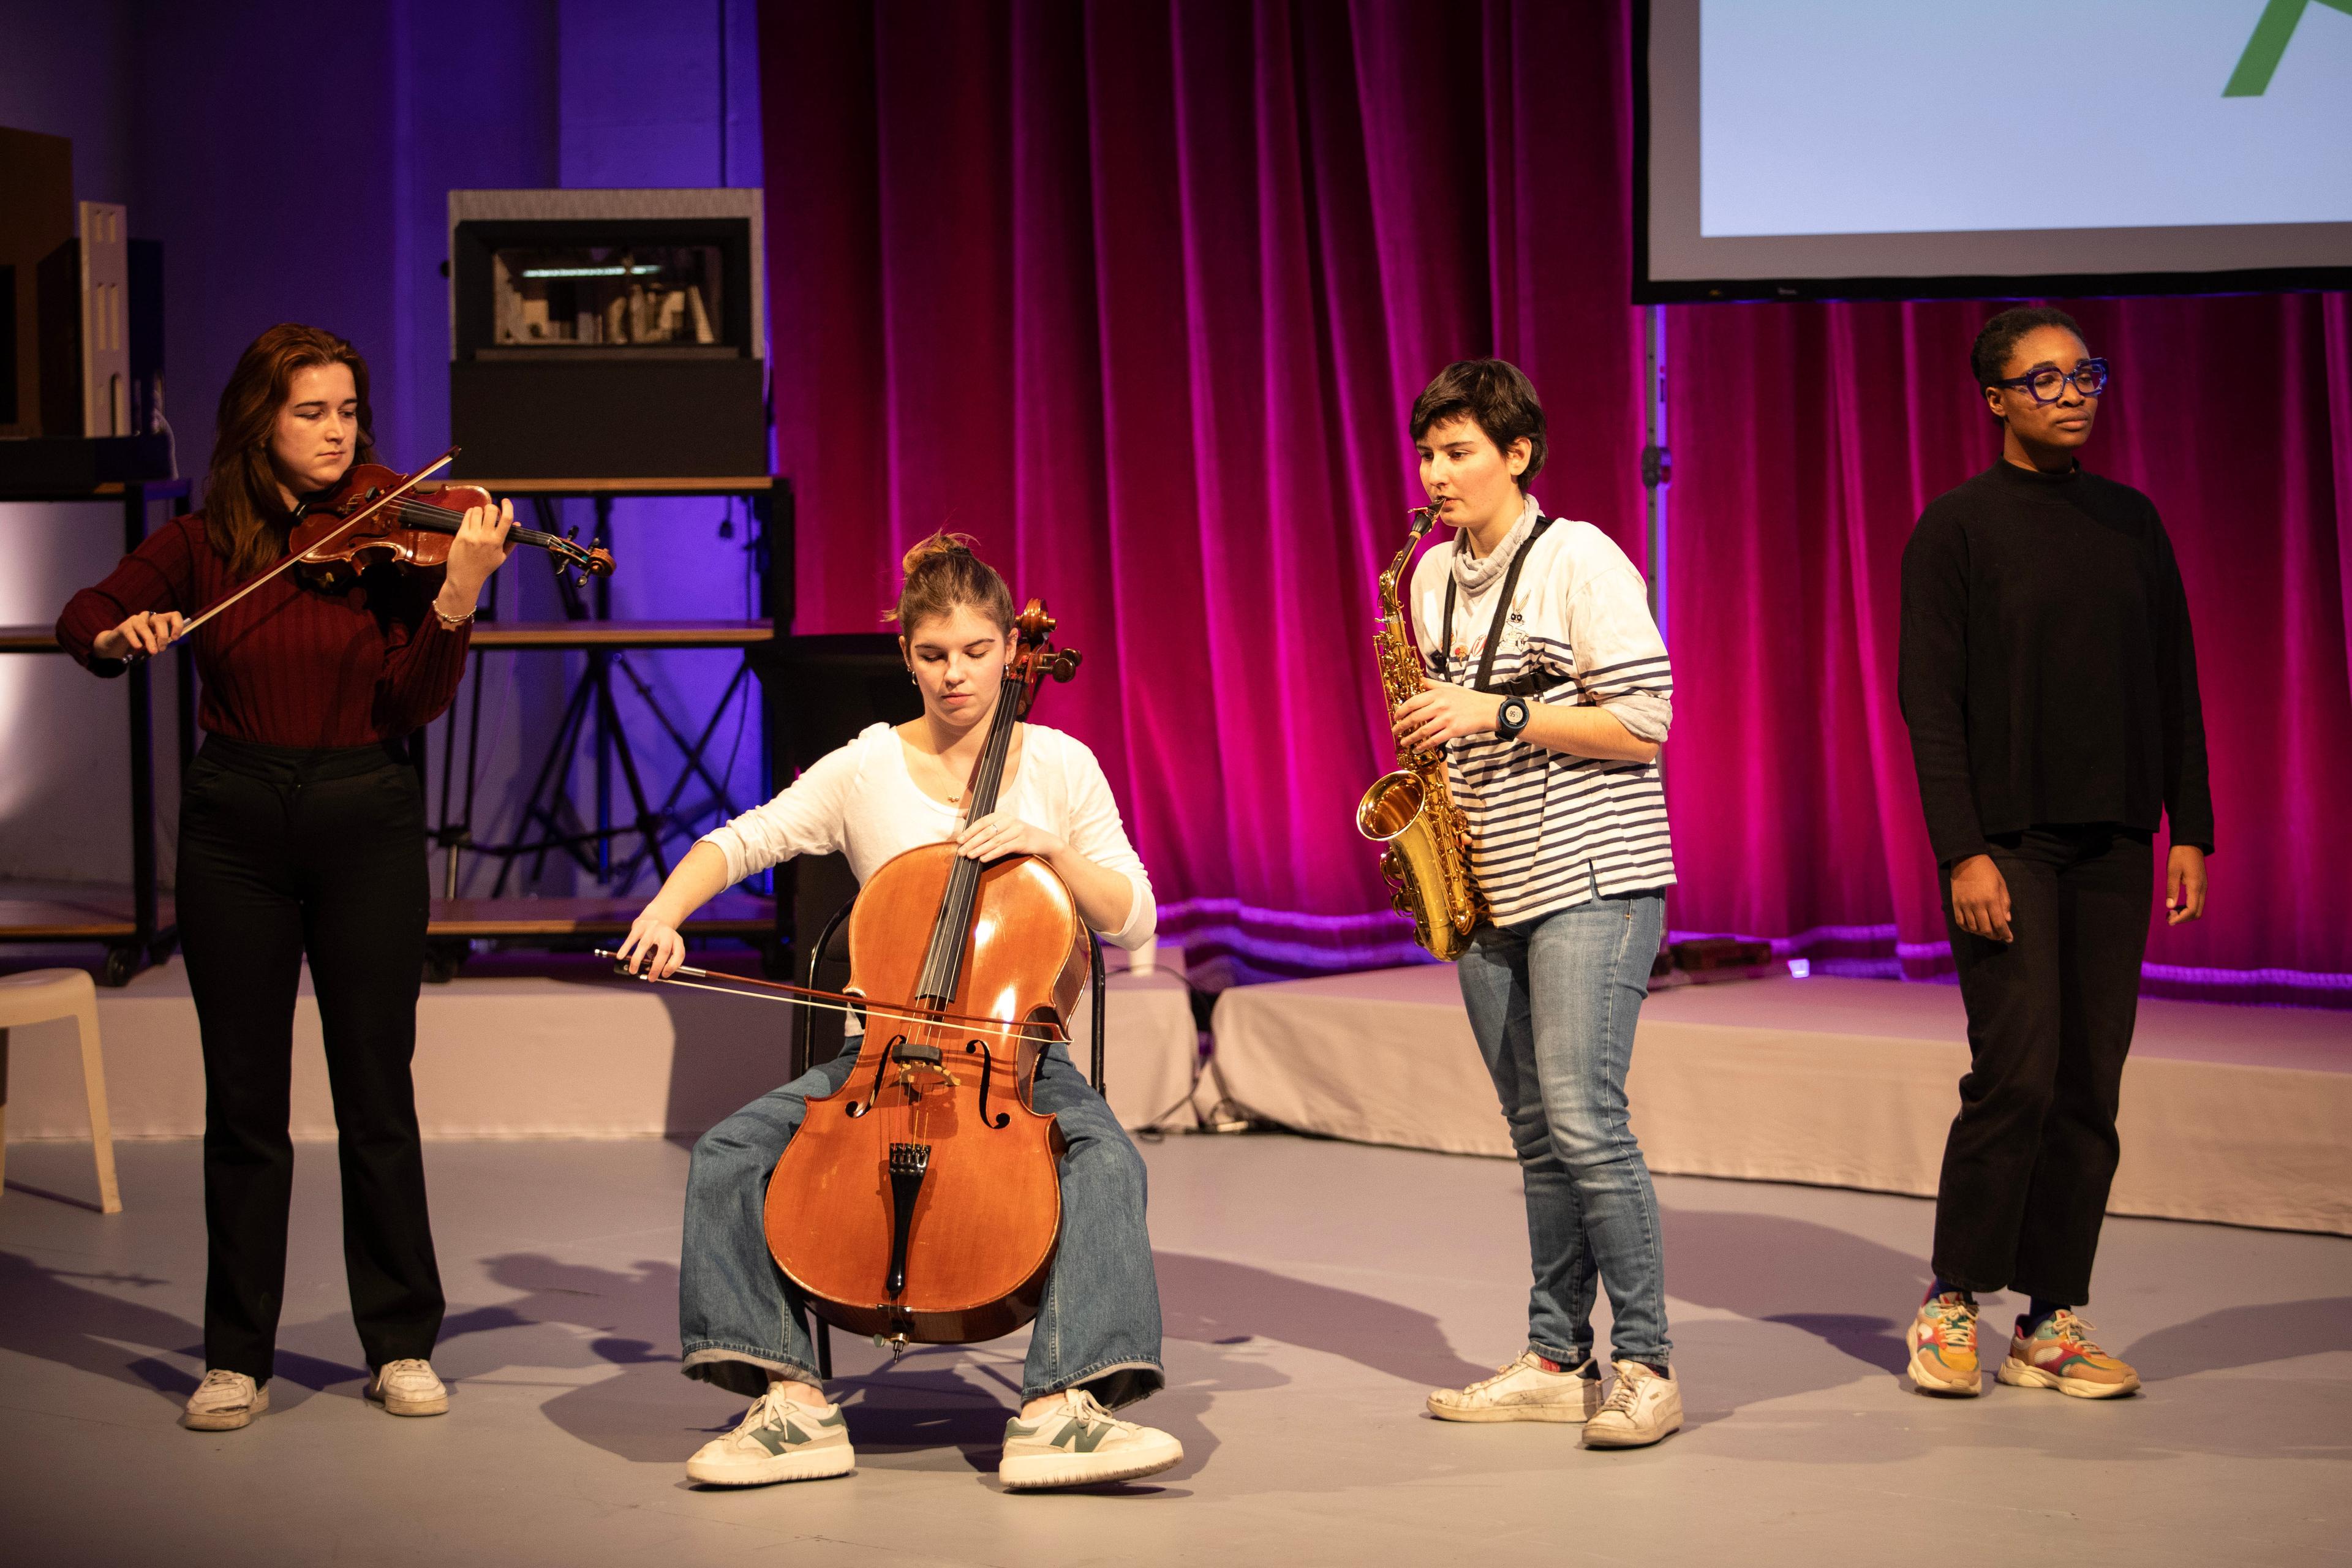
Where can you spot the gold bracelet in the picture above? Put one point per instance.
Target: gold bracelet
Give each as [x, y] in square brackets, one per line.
[453, 625]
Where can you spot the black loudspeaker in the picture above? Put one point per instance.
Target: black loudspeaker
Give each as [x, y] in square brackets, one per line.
[607, 335]
[59, 284]
[36, 216]
[819, 692]
[11, 399]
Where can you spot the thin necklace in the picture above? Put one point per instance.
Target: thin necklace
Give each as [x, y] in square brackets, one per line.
[955, 790]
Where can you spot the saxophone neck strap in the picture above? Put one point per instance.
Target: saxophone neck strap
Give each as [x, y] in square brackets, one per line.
[1525, 685]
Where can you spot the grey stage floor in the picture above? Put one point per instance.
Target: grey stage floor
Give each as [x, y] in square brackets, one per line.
[1312, 1292]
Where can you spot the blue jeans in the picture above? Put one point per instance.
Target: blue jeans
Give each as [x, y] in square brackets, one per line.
[1553, 1003]
[741, 1319]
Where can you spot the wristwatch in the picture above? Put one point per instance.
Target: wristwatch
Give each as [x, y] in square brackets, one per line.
[1512, 718]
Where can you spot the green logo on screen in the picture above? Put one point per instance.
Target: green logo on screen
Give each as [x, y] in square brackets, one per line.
[2268, 46]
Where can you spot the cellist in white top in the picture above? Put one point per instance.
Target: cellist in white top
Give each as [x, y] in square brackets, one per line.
[1095, 1345]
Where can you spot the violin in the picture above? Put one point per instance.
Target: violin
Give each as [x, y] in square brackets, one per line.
[414, 531]
[376, 515]
[922, 1201]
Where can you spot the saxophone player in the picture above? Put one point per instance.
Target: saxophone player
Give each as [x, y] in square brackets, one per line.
[1548, 690]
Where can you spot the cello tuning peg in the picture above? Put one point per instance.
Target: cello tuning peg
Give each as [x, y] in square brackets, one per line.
[571, 532]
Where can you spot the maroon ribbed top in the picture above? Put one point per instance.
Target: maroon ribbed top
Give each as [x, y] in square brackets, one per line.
[291, 664]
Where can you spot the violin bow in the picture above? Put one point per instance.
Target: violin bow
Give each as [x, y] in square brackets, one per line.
[841, 1002]
[443, 461]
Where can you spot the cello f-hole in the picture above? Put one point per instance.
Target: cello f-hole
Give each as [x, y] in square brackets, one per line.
[1003, 1119]
[881, 1065]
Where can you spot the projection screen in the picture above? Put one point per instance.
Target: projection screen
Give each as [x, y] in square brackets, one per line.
[1923, 148]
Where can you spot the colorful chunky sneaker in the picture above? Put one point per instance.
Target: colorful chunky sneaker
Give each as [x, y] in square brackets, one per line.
[1642, 1407]
[1943, 1340]
[1078, 1443]
[223, 1401]
[1527, 1390]
[2060, 1355]
[778, 1440]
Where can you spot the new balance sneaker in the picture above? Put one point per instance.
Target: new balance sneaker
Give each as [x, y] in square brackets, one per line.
[1642, 1407]
[223, 1401]
[777, 1440]
[408, 1387]
[1078, 1443]
[1943, 1340]
[2060, 1355]
[1524, 1391]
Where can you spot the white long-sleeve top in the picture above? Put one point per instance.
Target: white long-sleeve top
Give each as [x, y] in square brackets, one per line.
[862, 801]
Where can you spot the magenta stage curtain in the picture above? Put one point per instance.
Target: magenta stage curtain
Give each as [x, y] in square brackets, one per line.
[1137, 294]
[1808, 439]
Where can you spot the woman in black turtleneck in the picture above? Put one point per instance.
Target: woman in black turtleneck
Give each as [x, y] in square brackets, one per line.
[2049, 683]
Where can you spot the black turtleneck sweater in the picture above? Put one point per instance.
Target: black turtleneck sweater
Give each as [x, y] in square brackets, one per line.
[2048, 675]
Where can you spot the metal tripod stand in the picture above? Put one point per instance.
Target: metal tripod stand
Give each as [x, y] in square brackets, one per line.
[591, 715]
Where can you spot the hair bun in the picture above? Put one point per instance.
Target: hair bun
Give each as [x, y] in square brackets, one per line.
[938, 544]
[942, 575]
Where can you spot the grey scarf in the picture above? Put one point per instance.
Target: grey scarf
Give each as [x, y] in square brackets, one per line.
[1476, 576]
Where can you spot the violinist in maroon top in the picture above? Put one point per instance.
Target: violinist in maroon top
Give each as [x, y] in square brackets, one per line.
[301, 834]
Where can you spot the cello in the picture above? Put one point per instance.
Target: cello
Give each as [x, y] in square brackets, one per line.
[938, 1185]
[921, 1202]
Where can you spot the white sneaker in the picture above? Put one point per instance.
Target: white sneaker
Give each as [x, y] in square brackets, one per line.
[777, 1440]
[223, 1401]
[408, 1387]
[1642, 1407]
[1078, 1443]
[1523, 1391]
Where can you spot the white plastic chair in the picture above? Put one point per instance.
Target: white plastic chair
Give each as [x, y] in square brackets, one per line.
[37, 996]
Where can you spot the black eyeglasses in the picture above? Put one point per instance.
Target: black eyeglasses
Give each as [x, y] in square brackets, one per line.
[2090, 379]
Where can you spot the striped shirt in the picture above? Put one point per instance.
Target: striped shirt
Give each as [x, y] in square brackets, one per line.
[1547, 828]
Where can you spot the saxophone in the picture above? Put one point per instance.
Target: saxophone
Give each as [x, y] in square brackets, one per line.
[1425, 853]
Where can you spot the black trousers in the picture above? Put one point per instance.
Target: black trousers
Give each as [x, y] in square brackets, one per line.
[284, 853]
[2032, 1151]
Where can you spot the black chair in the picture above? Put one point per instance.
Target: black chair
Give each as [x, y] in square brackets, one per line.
[832, 947]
